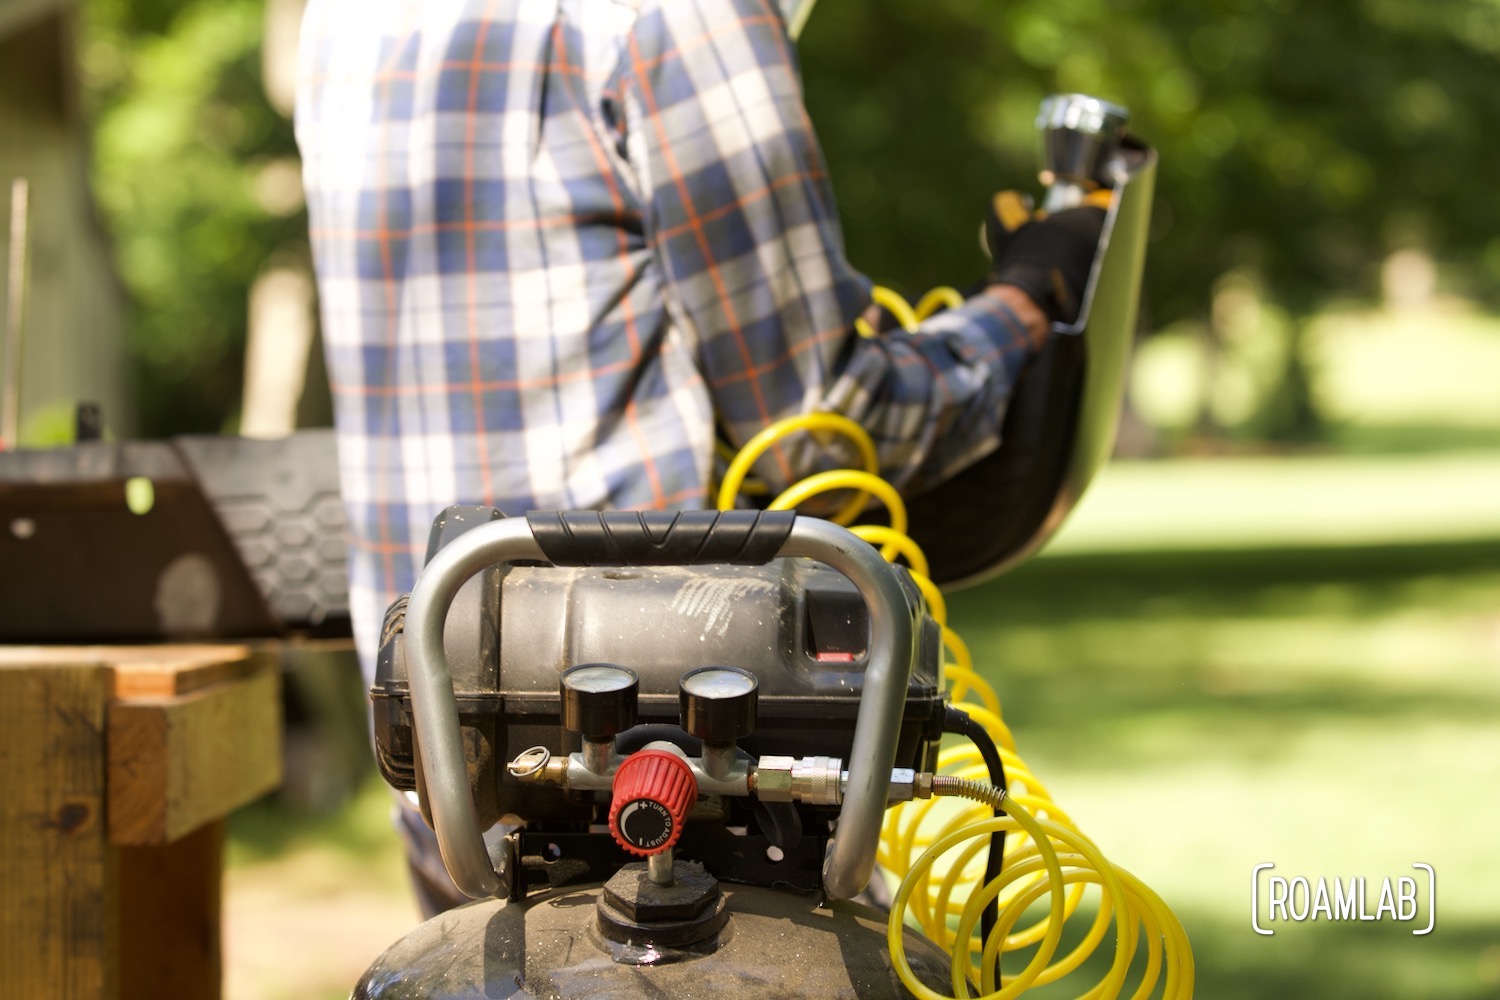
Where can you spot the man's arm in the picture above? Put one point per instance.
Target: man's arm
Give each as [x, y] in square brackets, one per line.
[742, 219]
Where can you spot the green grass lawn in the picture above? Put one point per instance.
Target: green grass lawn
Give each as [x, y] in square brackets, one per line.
[1220, 663]
[1307, 502]
[1255, 696]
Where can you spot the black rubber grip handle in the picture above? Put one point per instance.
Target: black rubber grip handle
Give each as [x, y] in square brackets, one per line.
[660, 538]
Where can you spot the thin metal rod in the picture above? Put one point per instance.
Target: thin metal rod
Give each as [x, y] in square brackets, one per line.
[15, 314]
[433, 709]
[659, 868]
[892, 645]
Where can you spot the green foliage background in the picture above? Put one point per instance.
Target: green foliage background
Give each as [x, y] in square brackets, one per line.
[1303, 141]
[183, 129]
[1300, 144]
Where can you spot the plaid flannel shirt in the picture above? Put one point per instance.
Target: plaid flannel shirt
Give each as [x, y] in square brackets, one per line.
[560, 242]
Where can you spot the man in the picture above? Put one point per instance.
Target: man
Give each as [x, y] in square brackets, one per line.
[562, 244]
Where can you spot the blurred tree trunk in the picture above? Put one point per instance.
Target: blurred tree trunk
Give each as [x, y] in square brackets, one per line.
[1289, 413]
[1206, 428]
[73, 349]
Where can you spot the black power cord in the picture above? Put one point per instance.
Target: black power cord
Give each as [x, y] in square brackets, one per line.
[958, 722]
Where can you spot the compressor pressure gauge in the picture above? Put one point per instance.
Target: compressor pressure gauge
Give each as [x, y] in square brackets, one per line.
[598, 699]
[718, 704]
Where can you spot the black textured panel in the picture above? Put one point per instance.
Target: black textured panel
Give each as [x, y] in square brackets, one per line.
[80, 564]
[279, 502]
[695, 537]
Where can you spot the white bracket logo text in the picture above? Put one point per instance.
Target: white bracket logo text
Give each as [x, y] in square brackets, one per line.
[1277, 899]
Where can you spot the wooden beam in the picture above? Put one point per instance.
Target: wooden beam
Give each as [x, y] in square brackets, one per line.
[177, 763]
[171, 897]
[58, 914]
[81, 917]
[147, 671]
[164, 671]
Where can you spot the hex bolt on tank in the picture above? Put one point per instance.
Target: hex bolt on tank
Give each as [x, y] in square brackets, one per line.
[634, 909]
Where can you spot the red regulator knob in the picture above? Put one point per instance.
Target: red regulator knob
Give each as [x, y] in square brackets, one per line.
[653, 791]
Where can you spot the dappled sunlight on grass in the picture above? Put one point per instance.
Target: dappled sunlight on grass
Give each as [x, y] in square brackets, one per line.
[1329, 709]
[359, 830]
[1325, 962]
[1236, 503]
[1434, 367]
[1387, 381]
[311, 901]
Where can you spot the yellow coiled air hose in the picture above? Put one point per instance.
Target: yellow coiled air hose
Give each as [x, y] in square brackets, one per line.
[939, 852]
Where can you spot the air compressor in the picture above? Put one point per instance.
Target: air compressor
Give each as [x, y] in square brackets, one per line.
[658, 749]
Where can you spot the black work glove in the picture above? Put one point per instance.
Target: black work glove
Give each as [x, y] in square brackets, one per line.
[1048, 258]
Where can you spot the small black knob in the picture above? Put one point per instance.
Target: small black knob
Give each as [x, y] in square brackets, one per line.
[88, 423]
[718, 704]
[598, 699]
